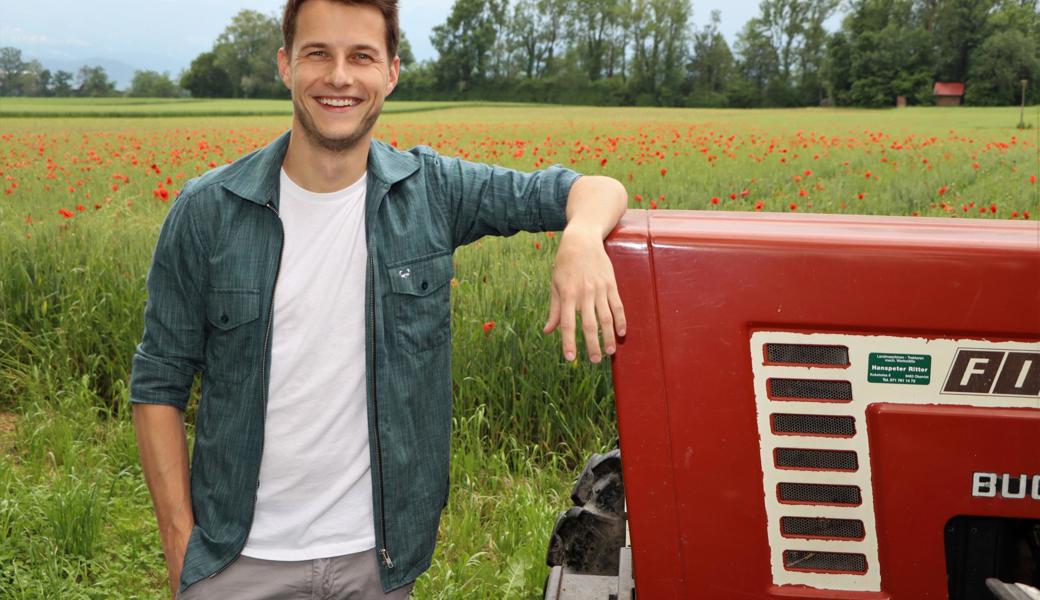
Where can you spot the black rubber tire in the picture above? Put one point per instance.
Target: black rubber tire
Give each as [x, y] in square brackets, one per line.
[586, 538]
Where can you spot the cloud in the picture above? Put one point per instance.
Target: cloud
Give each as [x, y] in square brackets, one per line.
[17, 35]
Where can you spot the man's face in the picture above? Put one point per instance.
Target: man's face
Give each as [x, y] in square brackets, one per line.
[339, 73]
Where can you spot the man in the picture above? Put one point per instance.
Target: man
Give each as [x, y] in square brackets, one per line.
[308, 282]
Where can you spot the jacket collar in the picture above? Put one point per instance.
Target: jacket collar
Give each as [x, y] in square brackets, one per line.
[255, 176]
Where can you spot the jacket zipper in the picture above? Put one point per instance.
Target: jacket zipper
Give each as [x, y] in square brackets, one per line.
[263, 377]
[384, 554]
[263, 356]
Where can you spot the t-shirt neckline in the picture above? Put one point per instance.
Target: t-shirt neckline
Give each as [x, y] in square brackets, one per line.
[349, 191]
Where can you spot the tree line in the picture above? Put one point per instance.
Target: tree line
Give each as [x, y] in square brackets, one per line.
[19, 77]
[647, 53]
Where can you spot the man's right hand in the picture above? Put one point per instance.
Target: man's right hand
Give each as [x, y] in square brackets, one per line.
[163, 447]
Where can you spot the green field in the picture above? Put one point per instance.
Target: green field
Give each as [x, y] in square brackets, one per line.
[83, 199]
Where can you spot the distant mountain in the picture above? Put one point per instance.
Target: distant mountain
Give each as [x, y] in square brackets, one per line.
[118, 71]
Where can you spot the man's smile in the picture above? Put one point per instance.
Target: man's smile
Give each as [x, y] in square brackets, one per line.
[337, 102]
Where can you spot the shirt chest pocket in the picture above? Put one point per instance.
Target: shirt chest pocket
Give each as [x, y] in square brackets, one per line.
[233, 340]
[422, 301]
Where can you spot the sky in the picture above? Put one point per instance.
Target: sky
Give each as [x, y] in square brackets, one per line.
[165, 35]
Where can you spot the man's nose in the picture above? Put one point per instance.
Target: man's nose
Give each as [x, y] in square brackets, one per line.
[340, 73]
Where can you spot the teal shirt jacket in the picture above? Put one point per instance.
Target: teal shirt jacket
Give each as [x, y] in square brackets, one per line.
[209, 310]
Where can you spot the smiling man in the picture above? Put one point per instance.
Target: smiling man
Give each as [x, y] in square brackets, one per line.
[309, 283]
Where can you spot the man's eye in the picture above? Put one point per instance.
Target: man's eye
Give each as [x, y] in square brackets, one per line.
[318, 53]
[362, 56]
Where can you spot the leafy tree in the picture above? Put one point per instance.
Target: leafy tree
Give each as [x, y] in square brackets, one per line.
[837, 68]
[783, 50]
[247, 51]
[711, 66]
[812, 85]
[534, 33]
[758, 68]
[93, 82]
[61, 84]
[31, 79]
[404, 51]
[598, 30]
[660, 31]
[883, 51]
[11, 66]
[999, 65]
[465, 43]
[46, 79]
[151, 84]
[1009, 54]
[206, 79]
[959, 28]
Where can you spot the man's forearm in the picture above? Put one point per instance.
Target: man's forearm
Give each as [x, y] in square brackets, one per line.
[595, 204]
[163, 446]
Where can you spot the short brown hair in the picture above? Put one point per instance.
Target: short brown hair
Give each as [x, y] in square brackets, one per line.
[387, 7]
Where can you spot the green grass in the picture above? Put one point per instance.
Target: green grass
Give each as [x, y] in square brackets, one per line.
[75, 516]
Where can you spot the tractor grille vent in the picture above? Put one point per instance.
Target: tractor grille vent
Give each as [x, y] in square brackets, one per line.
[827, 562]
[830, 460]
[820, 527]
[806, 354]
[818, 493]
[810, 389]
[814, 425]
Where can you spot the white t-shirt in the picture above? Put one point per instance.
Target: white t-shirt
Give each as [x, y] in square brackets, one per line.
[315, 493]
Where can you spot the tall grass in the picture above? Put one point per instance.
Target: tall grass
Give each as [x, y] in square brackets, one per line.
[75, 516]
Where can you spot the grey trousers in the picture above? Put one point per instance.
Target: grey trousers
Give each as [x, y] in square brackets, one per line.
[348, 577]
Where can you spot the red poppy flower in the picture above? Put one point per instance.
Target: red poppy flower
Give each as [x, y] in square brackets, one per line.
[488, 326]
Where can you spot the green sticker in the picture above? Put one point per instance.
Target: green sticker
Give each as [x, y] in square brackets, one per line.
[915, 369]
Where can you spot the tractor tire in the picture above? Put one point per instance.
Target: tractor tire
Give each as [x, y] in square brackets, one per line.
[586, 539]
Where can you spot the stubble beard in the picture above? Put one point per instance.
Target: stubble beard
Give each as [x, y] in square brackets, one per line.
[335, 144]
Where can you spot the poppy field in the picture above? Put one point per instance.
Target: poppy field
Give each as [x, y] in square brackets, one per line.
[82, 199]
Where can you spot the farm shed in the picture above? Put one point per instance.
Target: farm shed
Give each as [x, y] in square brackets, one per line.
[948, 94]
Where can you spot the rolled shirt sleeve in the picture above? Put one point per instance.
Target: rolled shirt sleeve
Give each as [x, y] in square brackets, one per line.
[171, 349]
[493, 200]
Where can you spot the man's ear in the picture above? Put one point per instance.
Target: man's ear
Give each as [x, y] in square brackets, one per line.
[392, 76]
[283, 68]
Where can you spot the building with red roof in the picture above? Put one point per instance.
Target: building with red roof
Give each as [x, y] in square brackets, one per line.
[948, 94]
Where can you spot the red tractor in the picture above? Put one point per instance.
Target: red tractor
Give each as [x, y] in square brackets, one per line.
[816, 407]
